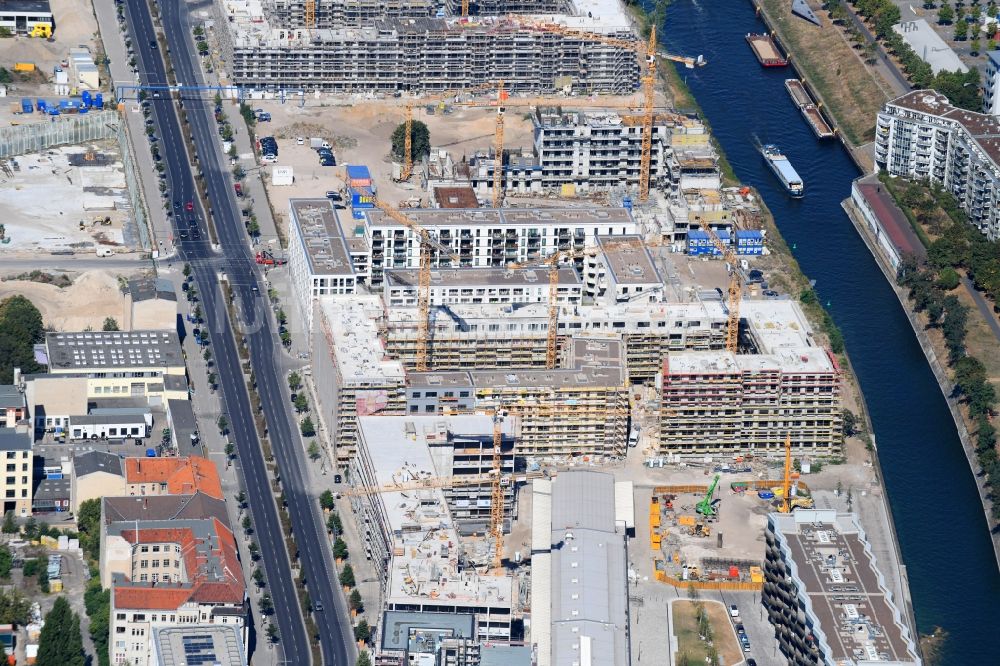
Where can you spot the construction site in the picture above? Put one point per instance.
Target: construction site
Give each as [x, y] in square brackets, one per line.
[547, 339]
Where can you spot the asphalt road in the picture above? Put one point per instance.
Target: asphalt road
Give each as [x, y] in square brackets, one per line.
[293, 640]
[234, 258]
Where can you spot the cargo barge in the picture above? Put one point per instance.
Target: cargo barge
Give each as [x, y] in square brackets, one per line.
[783, 169]
[808, 108]
[766, 50]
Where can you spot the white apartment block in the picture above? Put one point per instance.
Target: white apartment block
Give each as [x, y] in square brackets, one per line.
[455, 286]
[596, 150]
[319, 259]
[922, 136]
[485, 237]
[991, 84]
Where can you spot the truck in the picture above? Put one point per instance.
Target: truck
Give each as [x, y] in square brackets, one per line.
[239, 189]
[105, 252]
[268, 258]
[315, 143]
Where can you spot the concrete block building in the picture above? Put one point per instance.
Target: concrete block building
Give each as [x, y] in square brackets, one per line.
[456, 286]
[366, 46]
[16, 446]
[422, 562]
[923, 137]
[352, 373]
[596, 151]
[825, 595]
[319, 260]
[12, 405]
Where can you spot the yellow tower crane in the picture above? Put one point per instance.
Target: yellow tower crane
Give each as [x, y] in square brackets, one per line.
[407, 169]
[310, 11]
[786, 500]
[646, 52]
[498, 147]
[735, 288]
[465, 8]
[428, 245]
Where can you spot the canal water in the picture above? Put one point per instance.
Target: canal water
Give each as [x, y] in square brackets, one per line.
[943, 533]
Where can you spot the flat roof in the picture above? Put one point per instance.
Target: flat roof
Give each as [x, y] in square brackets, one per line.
[144, 289]
[556, 378]
[322, 236]
[425, 542]
[456, 197]
[588, 576]
[498, 654]
[929, 47]
[25, 6]
[400, 628]
[10, 397]
[628, 260]
[350, 322]
[805, 359]
[481, 277]
[100, 350]
[498, 217]
[182, 418]
[838, 578]
[51, 489]
[203, 644]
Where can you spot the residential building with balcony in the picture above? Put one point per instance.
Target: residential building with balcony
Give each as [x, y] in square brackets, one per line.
[923, 137]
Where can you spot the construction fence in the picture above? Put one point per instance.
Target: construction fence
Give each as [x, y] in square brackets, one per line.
[70, 130]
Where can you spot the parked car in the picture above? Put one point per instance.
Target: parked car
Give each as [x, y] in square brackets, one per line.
[733, 611]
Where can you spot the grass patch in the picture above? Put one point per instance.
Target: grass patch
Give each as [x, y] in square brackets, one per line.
[845, 86]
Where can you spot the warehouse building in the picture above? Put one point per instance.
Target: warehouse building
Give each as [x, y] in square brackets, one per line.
[399, 47]
[579, 595]
[923, 137]
[825, 595]
[21, 16]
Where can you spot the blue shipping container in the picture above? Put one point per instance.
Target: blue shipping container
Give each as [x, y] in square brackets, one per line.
[43, 106]
[26, 105]
[87, 99]
[362, 197]
[358, 172]
[99, 100]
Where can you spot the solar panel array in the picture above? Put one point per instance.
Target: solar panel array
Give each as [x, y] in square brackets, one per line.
[199, 650]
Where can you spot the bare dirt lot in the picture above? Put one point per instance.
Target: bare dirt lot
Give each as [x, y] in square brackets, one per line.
[359, 132]
[45, 196]
[691, 648]
[93, 296]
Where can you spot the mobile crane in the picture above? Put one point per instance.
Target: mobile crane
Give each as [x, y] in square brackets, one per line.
[706, 507]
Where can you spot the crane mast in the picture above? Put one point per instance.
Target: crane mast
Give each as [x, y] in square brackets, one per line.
[735, 289]
[498, 148]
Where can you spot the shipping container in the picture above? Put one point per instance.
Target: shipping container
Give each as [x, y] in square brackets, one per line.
[86, 98]
[99, 100]
[362, 197]
[358, 176]
[26, 105]
[24, 67]
[749, 242]
[699, 243]
[42, 105]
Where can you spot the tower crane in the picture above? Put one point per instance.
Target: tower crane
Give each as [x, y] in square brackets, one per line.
[407, 170]
[646, 51]
[310, 14]
[498, 146]
[465, 8]
[428, 244]
[735, 288]
[786, 500]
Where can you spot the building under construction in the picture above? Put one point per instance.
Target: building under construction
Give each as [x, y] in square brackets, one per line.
[742, 404]
[411, 537]
[375, 47]
[582, 409]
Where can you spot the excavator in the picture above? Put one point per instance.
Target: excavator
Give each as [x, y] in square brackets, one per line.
[706, 507]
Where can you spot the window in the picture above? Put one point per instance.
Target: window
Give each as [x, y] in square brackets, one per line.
[144, 549]
[143, 564]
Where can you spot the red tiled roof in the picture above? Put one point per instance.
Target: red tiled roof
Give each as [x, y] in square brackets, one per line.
[151, 598]
[183, 476]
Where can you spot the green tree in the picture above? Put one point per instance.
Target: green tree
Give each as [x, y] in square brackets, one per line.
[961, 31]
[187, 270]
[230, 449]
[247, 525]
[9, 523]
[362, 631]
[355, 601]
[420, 144]
[258, 577]
[307, 427]
[6, 562]
[98, 605]
[294, 381]
[223, 424]
[110, 324]
[946, 15]
[334, 525]
[15, 608]
[974, 46]
[347, 576]
[340, 549]
[363, 659]
[326, 500]
[991, 11]
[850, 423]
[948, 279]
[60, 643]
[20, 328]
[88, 519]
[266, 605]
[254, 551]
[212, 379]
[313, 451]
[301, 403]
